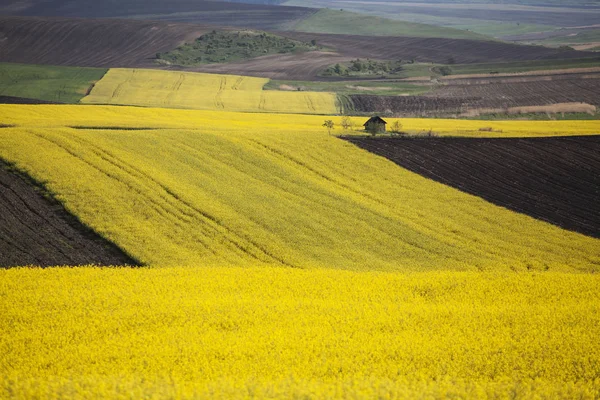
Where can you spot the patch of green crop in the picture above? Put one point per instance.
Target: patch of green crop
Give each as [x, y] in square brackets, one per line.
[45, 82]
[345, 22]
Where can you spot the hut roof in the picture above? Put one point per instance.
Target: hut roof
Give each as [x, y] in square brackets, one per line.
[377, 119]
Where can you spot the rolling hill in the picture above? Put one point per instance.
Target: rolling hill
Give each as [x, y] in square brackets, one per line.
[185, 188]
[196, 11]
[204, 92]
[88, 42]
[133, 43]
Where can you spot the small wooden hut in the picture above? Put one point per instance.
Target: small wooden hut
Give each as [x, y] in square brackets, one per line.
[375, 125]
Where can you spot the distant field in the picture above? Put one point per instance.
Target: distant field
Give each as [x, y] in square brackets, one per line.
[89, 43]
[57, 84]
[203, 91]
[481, 17]
[525, 66]
[437, 50]
[216, 188]
[344, 22]
[396, 88]
[194, 11]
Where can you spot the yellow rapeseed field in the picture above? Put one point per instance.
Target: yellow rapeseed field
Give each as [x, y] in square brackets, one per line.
[205, 92]
[286, 263]
[288, 333]
[224, 189]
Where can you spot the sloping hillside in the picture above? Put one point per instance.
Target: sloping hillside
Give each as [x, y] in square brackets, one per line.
[226, 189]
[89, 43]
[47, 83]
[36, 230]
[204, 92]
[197, 11]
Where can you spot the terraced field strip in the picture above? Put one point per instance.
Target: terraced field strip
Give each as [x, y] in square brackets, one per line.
[217, 188]
[204, 91]
[553, 179]
[36, 230]
[46, 83]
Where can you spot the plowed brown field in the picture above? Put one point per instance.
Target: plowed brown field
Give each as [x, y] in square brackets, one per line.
[553, 179]
[134, 43]
[458, 96]
[523, 92]
[435, 50]
[196, 11]
[89, 43]
[37, 230]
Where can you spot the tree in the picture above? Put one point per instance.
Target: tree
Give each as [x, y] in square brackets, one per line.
[329, 124]
[396, 128]
[347, 123]
[445, 70]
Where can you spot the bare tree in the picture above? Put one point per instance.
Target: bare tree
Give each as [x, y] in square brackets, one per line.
[347, 123]
[329, 124]
[396, 128]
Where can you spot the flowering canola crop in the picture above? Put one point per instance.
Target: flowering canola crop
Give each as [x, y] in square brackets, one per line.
[289, 333]
[286, 263]
[205, 92]
[268, 190]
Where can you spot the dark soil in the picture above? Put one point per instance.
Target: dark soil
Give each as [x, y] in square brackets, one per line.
[458, 96]
[436, 50]
[195, 11]
[408, 105]
[23, 100]
[35, 229]
[90, 42]
[553, 179]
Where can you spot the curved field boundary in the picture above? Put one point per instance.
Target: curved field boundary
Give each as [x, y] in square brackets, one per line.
[552, 179]
[251, 189]
[204, 91]
[35, 229]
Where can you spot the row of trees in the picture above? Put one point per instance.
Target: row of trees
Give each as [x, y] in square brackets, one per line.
[347, 124]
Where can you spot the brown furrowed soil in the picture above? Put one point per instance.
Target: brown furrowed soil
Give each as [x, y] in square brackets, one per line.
[36, 230]
[304, 66]
[462, 96]
[134, 43]
[436, 50]
[408, 105]
[523, 92]
[552, 179]
[195, 11]
[89, 43]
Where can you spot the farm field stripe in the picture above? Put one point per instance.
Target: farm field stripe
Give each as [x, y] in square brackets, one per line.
[553, 179]
[36, 230]
[219, 189]
[203, 91]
